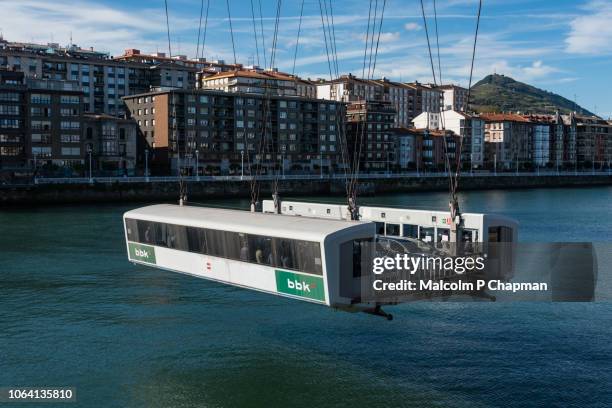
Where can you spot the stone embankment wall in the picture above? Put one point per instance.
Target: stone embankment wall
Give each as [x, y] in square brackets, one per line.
[168, 191]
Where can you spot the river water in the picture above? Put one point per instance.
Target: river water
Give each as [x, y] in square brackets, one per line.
[74, 312]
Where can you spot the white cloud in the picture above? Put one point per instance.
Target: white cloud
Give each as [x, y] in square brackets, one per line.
[412, 27]
[389, 37]
[106, 28]
[592, 33]
[538, 70]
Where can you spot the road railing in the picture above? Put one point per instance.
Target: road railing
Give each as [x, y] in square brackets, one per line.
[305, 177]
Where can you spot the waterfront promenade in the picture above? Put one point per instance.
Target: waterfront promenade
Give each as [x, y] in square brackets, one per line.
[124, 189]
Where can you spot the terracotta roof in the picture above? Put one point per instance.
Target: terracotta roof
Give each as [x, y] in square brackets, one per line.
[252, 74]
[421, 131]
[502, 117]
[540, 118]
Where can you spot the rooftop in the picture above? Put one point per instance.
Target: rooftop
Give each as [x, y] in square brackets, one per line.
[283, 226]
[503, 117]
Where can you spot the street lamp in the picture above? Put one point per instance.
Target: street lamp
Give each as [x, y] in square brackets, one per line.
[241, 164]
[387, 163]
[89, 149]
[471, 163]
[197, 152]
[35, 169]
[495, 163]
[321, 164]
[147, 164]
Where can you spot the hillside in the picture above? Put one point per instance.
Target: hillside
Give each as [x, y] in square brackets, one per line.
[498, 93]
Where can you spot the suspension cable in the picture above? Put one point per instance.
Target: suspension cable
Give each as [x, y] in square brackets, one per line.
[437, 41]
[433, 73]
[263, 38]
[255, 32]
[378, 39]
[331, 12]
[168, 29]
[297, 41]
[229, 16]
[372, 40]
[205, 28]
[467, 106]
[199, 29]
[365, 51]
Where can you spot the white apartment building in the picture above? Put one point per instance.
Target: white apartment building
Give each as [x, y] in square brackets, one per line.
[470, 127]
[454, 97]
[249, 81]
[349, 88]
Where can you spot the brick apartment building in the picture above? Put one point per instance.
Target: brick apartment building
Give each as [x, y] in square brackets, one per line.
[424, 150]
[258, 81]
[222, 131]
[369, 124]
[42, 125]
[103, 79]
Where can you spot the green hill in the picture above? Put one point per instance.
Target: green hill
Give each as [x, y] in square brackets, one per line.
[499, 93]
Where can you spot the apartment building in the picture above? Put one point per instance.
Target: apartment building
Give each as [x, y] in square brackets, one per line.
[403, 98]
[541, 138]
[454, 97]
[216, 132]
[593, 141]
[13, 116]
[425, 150]
[468, 127]
[408, 145]
[40, 122]
[427, 97]
[563, 140]
[368, 125]
[112, 143]
[103, 79]
[251, 81]
[349, 88]
[508, 141]
[43, 128]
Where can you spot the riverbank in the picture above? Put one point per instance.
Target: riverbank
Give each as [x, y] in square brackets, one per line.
[124, 191]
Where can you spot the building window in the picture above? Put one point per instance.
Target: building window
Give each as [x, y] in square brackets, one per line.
[70, 138]
[40, 125]
[70, 99]
[9, 110]
[41, 151]
[70, 125]
[9, 97]
[40, 98]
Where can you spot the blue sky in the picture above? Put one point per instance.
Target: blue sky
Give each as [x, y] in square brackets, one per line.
[563, 46]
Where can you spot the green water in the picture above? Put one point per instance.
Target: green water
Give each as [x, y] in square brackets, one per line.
[74, 312]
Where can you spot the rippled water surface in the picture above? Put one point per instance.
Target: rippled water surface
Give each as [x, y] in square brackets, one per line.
[74, 312]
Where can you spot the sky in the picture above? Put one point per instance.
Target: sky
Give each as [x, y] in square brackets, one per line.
[559, 45]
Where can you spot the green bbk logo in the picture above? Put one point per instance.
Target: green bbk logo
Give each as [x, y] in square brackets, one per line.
[310, 287]
[143, 253]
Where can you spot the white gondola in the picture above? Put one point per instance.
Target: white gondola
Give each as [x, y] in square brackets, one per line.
[282, 255]
[425, 225]
[496, 234]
